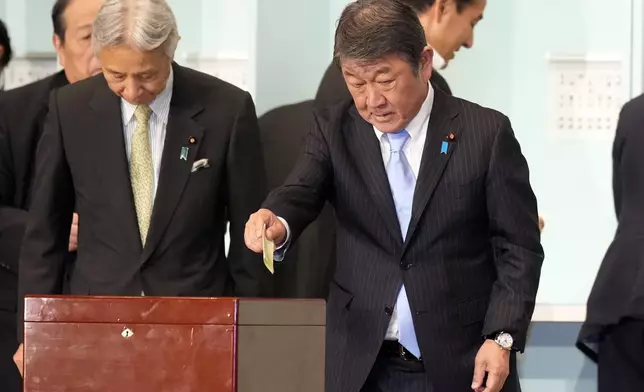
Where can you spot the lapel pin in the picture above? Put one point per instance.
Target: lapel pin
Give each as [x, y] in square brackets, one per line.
[184, 153]
[444, 147]
[451, 136]
[192, 140]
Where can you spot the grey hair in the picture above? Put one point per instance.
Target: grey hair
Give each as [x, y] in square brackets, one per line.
[144, 25]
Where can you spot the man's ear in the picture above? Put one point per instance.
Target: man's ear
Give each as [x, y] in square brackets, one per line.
[58, 45]
[426, 62]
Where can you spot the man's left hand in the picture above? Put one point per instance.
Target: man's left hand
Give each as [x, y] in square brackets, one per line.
[494, 361]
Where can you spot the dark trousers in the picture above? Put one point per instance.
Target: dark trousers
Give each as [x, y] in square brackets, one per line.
[391, 374]
[621, 358]
[10, 380]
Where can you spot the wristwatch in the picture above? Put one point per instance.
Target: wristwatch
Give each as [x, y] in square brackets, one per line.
[504, 340]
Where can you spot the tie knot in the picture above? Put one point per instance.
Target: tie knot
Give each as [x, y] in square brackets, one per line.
[142, 114]
[397, 140]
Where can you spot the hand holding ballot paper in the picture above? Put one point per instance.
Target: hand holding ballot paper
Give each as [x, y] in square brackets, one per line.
[265, 233]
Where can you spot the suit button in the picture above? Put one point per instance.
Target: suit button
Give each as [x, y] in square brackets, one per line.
[389, 310]
[405, 266]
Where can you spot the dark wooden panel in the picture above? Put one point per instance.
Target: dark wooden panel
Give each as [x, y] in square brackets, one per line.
[146, 310]
[155, 358]
[281, 312]
[280, 358]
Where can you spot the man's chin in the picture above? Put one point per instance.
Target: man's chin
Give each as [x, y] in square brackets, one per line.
[387, 126]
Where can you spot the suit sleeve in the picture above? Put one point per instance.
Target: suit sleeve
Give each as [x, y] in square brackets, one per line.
[46, 241]
[301, 198]
[12, 220]
[246, 189]
[515, 238]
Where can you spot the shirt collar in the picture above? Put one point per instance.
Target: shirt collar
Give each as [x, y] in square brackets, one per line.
[417, 124]
[160, 105]
[438, 61]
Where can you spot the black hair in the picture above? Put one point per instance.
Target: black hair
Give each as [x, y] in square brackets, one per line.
[58, 19]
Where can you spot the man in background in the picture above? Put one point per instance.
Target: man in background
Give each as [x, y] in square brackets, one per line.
[613, 333]
[22, 116]
[5, 51]
[157, 160]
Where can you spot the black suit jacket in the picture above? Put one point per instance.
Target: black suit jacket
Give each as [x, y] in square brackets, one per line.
[618, 291]
[82, 161]
[471, 262]
[309, 264]
[22, 115]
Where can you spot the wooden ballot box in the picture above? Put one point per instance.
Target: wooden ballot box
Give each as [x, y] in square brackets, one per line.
[158, 344]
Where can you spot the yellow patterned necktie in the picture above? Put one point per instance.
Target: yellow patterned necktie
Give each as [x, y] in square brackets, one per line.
[142, 170]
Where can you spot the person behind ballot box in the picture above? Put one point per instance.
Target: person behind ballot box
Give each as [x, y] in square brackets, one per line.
[438, 245]
[22, 116]
[157, 159]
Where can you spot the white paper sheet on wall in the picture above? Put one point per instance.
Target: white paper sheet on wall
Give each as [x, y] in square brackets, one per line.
[587, 94]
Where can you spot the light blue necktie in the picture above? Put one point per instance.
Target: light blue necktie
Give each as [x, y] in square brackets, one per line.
[402, 182]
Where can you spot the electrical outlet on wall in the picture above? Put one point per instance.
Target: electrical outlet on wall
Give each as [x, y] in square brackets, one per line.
[586, 95]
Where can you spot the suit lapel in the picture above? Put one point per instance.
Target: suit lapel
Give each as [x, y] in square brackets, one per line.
[442, 129]
[362, 139]
[113, 159]
[175, 170]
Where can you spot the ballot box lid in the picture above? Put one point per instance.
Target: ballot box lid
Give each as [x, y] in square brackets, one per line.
[174, 310]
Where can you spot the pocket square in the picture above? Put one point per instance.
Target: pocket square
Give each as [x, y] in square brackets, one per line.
[200, 164]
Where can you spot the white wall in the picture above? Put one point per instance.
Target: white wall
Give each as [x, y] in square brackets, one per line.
[292, 50]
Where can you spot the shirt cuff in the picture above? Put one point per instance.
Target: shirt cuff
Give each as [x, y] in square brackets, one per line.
[280, 250]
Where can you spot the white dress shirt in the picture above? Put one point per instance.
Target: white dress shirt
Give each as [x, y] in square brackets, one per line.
[438, 61]
[158, 122]
[413, 150]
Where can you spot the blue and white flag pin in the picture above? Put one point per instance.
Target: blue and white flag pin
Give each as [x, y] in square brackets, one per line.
[444, 147]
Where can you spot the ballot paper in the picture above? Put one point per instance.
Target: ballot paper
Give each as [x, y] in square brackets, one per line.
[269, 250]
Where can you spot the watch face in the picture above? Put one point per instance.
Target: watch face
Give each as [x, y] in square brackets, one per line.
[505, 340]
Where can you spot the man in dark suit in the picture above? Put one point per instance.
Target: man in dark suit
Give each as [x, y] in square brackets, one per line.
[613, 334]
[439, 254]
[22, 116]
[282, 139]
[157, 159]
